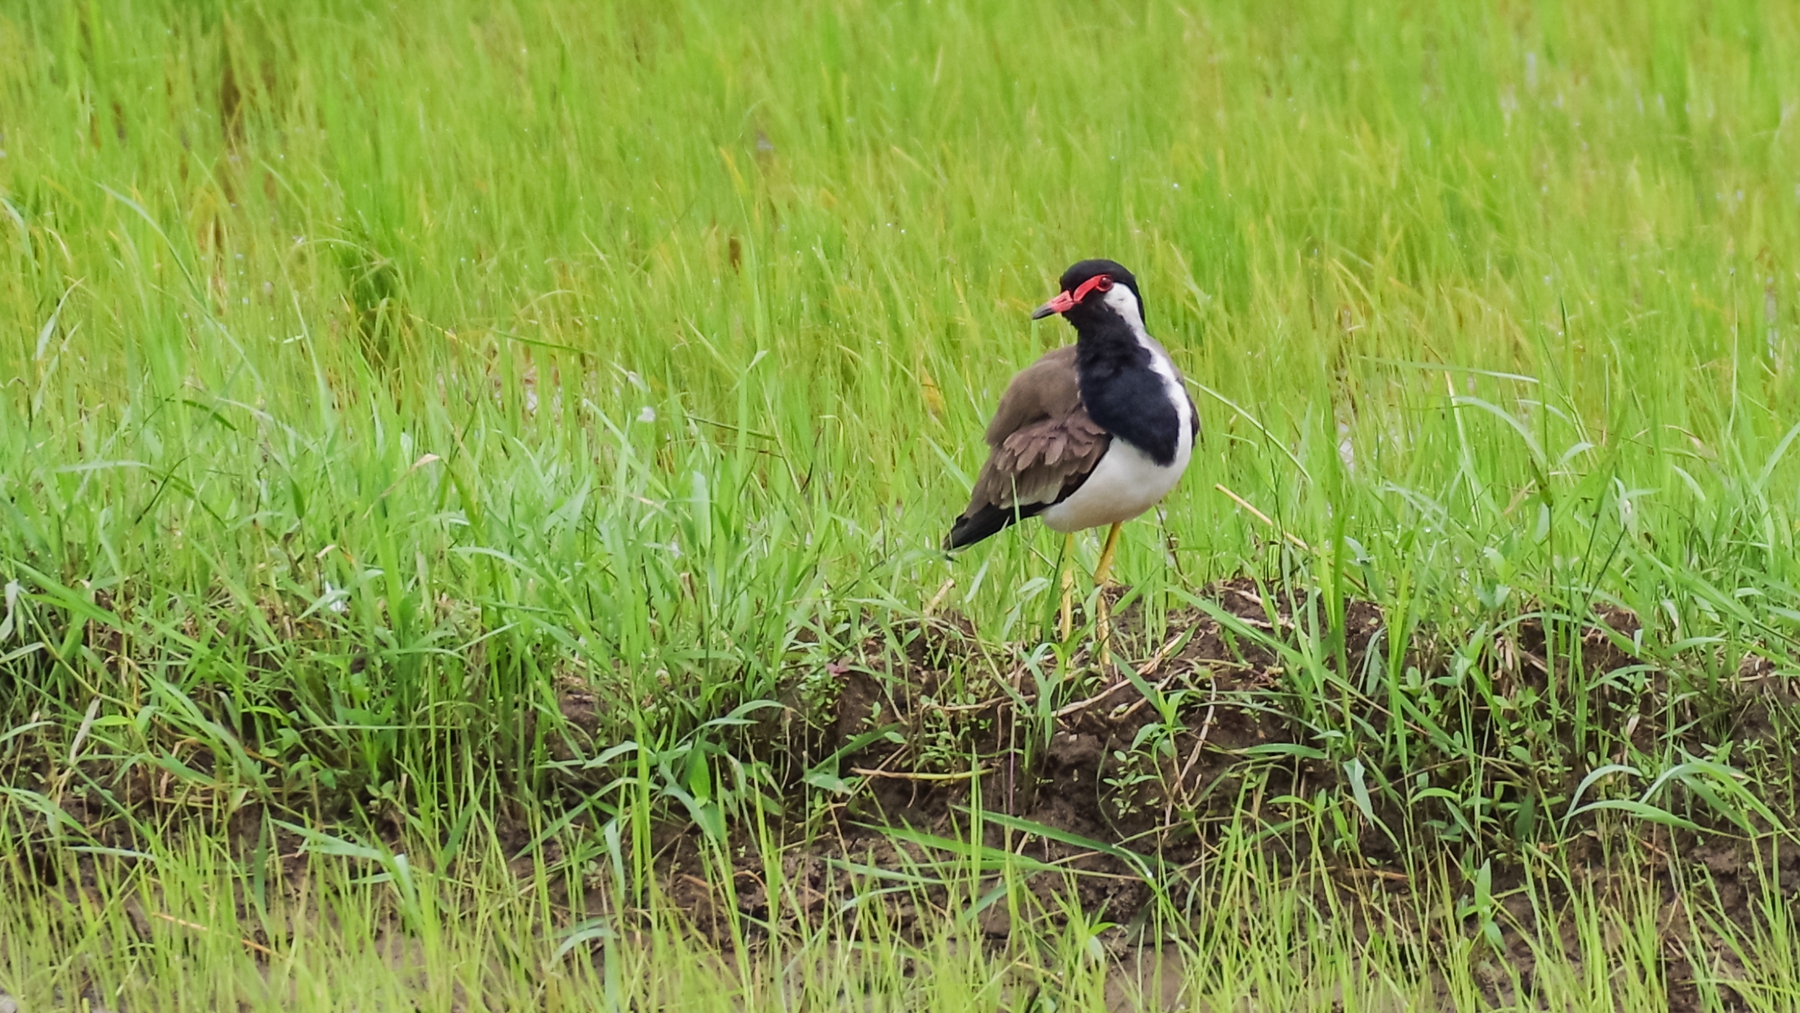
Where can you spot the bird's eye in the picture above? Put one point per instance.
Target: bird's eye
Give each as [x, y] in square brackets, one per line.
[1098, 283]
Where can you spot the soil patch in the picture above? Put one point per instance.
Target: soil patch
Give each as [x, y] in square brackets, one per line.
[1118, 774]
[1116, 768]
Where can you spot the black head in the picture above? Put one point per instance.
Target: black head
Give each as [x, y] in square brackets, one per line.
[1084, 288]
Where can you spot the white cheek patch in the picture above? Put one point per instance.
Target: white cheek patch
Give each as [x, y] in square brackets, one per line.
[1126, 305]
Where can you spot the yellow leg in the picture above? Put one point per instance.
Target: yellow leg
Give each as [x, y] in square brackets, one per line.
[1102, 621]
[1106, 556]
[1067, 616]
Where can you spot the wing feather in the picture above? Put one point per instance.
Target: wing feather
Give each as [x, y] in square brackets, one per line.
[1044, 446]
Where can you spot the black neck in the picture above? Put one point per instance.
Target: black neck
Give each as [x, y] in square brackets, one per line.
[1121, 390]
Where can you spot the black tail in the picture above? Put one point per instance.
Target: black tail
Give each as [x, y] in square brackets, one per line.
[979, 523]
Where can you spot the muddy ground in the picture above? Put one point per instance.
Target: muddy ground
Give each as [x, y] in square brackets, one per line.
[1075, 765]
[1089, 788]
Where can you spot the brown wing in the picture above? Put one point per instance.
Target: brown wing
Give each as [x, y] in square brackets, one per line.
[1044, 446]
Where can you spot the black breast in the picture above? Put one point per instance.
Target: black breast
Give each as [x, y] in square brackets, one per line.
[1125, 395]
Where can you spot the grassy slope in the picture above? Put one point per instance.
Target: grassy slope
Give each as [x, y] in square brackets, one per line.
[370, 371]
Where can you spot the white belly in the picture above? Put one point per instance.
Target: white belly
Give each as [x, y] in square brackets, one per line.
[1124, 484]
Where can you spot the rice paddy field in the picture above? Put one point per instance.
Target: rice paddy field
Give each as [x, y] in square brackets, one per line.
[472, 474]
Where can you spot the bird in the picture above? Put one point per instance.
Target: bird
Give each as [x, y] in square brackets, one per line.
[1091, 434]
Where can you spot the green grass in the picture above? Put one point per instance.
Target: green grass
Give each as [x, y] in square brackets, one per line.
[191, 928]
[373, 375]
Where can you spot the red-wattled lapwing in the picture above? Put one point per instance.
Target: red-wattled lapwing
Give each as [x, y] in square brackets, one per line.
[1093, 433]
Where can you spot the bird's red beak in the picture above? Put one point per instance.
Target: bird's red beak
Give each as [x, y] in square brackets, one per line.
[1066, 301]
[1061, 304]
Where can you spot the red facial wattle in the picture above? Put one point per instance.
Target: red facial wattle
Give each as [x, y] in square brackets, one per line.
[1066, 301]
